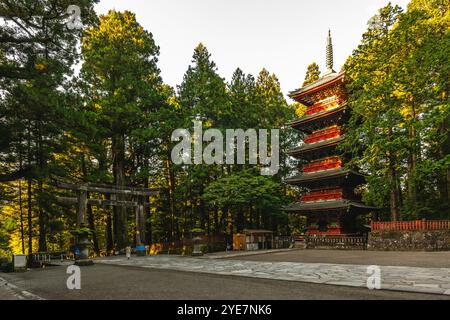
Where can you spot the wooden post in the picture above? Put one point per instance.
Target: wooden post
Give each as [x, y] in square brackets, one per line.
[82, 205]
[140, 225]
[82, 238]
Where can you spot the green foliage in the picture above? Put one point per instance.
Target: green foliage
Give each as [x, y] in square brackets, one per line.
[37, 53]
[312, 74]
[113, 124]
[398, 84]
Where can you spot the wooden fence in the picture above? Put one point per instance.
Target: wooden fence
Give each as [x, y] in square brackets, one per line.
[411, 225]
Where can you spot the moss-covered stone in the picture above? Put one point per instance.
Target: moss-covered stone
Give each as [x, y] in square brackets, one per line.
[415, 240]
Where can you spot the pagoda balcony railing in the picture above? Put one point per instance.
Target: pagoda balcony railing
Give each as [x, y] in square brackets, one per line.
[323, 105]
[323, 195]
[321, 165]
[325, 134]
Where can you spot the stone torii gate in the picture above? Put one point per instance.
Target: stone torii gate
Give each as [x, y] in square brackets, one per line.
[82, 201]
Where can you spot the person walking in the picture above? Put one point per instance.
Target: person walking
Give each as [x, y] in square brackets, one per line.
[128, 252]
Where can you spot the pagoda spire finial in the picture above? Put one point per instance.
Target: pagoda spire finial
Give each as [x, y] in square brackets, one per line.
[329, 53]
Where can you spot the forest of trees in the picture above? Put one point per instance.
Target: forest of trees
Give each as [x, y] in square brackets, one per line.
[399, 84]
[111, 122]
[90, 105]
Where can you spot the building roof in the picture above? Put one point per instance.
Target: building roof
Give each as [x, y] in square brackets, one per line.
[326, 205]
[253, 231]
[323, 175]
[318, 115]
[313, 146]
[326, 79]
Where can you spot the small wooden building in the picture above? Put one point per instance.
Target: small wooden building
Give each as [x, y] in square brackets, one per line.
[253, 239]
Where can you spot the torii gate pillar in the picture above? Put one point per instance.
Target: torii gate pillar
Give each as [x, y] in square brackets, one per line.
[82, 238]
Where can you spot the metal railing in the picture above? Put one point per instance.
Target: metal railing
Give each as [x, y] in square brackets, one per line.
[336, 242]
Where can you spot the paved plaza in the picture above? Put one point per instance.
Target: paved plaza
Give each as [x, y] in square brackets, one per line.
[411, 279]
[102, 281]
[360, 257]
[272, 274]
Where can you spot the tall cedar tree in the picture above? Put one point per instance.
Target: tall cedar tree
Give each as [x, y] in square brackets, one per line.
[121, 81]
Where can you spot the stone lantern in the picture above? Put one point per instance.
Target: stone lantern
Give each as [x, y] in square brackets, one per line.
[197, 246]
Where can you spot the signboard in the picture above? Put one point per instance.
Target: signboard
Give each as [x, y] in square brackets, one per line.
[20, 261]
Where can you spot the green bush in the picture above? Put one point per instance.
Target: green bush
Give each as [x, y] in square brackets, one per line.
[6, 265]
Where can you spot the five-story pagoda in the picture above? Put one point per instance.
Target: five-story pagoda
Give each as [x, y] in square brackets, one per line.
[330, 204]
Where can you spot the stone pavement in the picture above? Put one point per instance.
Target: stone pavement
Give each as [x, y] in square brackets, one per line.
[410, 279]
[9, 291]
[421, 259]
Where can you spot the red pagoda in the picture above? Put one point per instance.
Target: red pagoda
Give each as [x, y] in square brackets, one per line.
[330, 203]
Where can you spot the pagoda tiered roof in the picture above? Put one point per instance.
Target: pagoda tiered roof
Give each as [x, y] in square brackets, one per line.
[311, 147]
[341, 204]
[306, 122]
[320, 89]
[327, 175]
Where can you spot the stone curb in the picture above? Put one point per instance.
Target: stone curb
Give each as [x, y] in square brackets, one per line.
[245, 253]
[15, 293]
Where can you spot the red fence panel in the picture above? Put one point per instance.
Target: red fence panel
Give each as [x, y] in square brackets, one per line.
[411, 225]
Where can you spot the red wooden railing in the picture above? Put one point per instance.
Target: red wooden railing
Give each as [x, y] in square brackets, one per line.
[411, 225]
[321, 195]
[324, 164]
[324, 134]
[326, 104]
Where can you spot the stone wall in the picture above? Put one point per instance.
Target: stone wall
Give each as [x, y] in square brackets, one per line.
[418, 240]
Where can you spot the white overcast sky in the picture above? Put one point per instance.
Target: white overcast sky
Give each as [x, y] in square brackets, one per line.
[283, 36]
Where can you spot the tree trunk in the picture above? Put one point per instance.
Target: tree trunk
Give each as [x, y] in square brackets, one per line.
[29, 197]
[148, 221]
[230, 225]
[216, 221]
[30, 218]
[109, 230]
[22, 236]
[412, 164]
[240, 220]
[208, 224]
[120, 213]
[91, 221]
[393, 190]
[171, 196]
[42, 221]
[90, 214]
[258, 220]
[42, 218]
